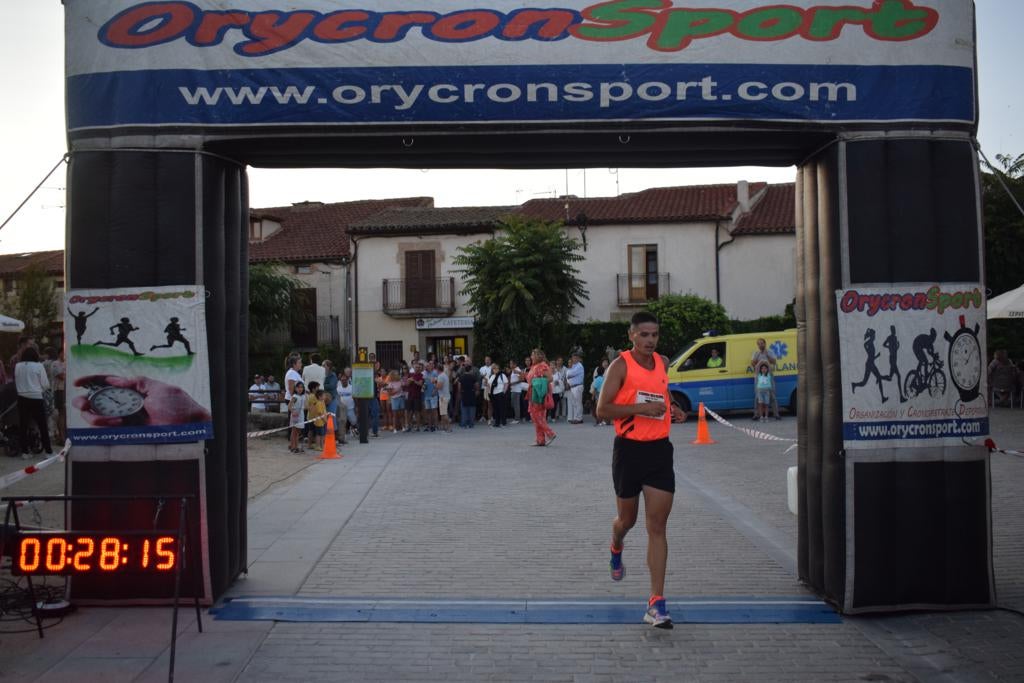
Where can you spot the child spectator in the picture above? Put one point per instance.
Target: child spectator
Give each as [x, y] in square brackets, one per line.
[296, 410]
[309, 430]
[316, 410]
[397, 398]
[764, 390]
[595, 392]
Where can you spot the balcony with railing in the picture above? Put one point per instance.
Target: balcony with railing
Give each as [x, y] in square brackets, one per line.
[636, 289]
[419, 297]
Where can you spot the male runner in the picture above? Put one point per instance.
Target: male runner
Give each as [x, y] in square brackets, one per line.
[635, 395]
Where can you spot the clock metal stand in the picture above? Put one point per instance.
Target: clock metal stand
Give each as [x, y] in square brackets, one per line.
[177, 558]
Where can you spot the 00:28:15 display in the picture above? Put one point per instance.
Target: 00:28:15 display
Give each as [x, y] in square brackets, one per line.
[69, 553]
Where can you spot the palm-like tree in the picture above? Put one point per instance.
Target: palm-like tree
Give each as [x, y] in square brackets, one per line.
[521, 283]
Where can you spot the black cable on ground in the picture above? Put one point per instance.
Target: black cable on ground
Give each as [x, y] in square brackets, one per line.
[16, 605]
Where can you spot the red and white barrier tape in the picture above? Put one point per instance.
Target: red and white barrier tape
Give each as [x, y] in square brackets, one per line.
[14, 477]
[992, 448]
[755, 433]
[265, 432]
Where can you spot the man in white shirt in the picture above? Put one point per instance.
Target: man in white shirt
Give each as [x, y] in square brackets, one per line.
[314, 372]
[574, 380]
[256, 395]
[558, 373]
[273, 394]
[346, 405]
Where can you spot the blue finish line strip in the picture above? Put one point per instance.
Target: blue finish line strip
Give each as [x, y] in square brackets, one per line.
[724, 610]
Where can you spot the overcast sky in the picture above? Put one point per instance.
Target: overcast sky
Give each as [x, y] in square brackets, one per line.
[33, 138]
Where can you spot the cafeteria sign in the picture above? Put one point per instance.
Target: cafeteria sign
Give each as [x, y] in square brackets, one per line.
[456, 323]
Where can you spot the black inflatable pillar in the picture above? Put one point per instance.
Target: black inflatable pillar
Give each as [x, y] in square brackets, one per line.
[142, 219]
[894, 528]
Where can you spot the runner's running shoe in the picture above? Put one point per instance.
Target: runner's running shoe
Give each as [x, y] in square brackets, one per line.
[657, 613]
[617, 568]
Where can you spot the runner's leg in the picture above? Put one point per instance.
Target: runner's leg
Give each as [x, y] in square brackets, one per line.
[626, 511]
[657, 506]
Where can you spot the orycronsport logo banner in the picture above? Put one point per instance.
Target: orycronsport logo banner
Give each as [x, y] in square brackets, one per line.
[138, 367]
[316, 62]
[913, 365]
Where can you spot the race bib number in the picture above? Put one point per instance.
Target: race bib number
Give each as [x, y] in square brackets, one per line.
[649, 397]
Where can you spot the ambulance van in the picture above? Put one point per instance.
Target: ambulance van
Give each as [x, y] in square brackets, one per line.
[730, 384]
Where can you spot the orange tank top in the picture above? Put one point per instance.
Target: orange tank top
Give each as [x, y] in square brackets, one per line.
[641, 384]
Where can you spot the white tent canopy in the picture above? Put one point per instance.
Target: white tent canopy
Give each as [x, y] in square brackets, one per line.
[1007, 305]
[10, 324]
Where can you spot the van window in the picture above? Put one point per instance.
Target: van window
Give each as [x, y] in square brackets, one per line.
[699, 359]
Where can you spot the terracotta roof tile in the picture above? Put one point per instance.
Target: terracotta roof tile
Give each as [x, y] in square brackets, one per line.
[774, 213]
[318, 232]
[655, 205]
[396, 221]
[52, 262]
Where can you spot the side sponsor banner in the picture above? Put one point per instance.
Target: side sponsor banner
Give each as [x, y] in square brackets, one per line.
[137, 365]
[913, 365]
[262, 62]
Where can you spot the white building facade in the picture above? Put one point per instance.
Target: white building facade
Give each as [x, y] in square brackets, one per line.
[733, 244]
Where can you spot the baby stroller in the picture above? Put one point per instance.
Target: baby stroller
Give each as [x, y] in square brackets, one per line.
[10, 440]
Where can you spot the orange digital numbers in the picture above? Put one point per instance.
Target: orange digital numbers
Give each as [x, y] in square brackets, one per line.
[84, 552]
[88, 547]
[31, 554]
[110, 553]
[167, 555]
[56, 555]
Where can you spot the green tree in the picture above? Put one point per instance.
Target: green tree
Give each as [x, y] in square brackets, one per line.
[35, 302]
[684, 317]
[521, 285]
[1004, 235]
[1004, 224]
[270, 300]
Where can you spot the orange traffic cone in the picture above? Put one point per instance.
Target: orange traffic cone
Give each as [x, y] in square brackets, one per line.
[703, 436]
[330, 450]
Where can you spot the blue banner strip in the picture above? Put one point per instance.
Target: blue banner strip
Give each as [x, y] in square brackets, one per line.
[491, 94]
[723, 610]
[898, 430]
[151, 434]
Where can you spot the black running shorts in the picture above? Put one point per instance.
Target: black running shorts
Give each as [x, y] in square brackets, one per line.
[636, 464]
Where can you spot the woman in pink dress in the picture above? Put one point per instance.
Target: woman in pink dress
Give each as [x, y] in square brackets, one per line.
[539, 378]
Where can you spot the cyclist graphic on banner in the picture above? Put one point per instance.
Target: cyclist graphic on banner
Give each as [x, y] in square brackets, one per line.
[928, 375]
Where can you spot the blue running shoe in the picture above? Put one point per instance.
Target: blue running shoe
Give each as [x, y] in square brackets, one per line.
[617, 568]
[657, 613]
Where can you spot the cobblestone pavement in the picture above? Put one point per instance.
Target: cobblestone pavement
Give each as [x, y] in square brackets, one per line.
[479, 514]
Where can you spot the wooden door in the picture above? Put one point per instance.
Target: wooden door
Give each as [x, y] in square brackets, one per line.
[420, 285]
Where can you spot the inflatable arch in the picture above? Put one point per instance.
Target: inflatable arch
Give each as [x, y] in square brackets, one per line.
[874, 102]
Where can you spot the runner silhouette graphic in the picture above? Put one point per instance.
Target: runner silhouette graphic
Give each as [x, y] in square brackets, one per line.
[173, 332]
[124, 328]
[870, 369]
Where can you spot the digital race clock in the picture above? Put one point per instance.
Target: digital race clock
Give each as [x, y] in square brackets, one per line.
[93, 553]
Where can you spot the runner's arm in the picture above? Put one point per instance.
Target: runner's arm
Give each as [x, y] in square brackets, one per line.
[678, 414]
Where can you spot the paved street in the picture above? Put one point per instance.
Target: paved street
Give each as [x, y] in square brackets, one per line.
[479, 514]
